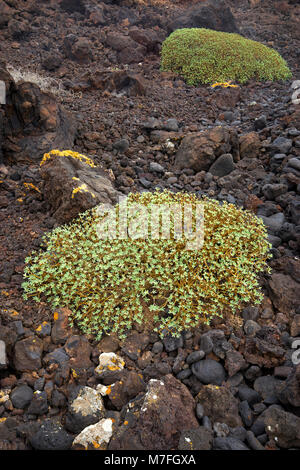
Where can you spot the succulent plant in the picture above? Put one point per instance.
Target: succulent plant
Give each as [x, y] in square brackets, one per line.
[205, 56]
[152, 277]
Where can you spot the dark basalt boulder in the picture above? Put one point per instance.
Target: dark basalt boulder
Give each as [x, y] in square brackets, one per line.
[212, 14]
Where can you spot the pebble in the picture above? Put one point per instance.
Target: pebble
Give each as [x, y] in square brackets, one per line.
[209, 371]
[195, 356]
[21, 396]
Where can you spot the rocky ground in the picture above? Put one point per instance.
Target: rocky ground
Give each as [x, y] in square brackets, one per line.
[234, 385]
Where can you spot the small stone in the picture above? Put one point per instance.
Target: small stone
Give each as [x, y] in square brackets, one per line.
[223, 165]
[274, 222]
[295, 326]
[281, 145]
[184, 374]
[199, 411]
[61, 329]
[207, 422]
[260, 123]
[196, 439]
[39, 403]
[246, 413]
[234, 362]
[27, 354]
[252, 373]
[51, 436]
[21, 396]
[238, 433]
[251, 328]
[157, 347]
[253, 442]
[209, 371]
[206, 344]
[195, 356]
[266, 386]
[109, 364]
[146, 183]
[284, 427]
[94, 437]
[172, 343]
[248, 394]
[39, 384]
[85, 409]
[121, 145]
[156, 167]
[171, 125]
[44, 329]
[221, 429]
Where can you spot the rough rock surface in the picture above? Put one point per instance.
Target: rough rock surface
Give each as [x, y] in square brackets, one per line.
[63, 175]
[219, 405]
[165, 411]
[198, 151]
[34, 123]
[214, 14]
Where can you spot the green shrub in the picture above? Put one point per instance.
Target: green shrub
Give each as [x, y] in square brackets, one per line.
[205, 56]
[111, 283]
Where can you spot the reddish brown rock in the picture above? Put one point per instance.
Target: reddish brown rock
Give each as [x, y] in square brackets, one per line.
[79, 350]
[264, 349]
[78, 49]
[118, 81]
[225, 98]
[134, 344]
[146, 37]
[156, 420]
[284, 292]
[219, 405]
[234, 362]
[61, 328]
[34, 123]
[28, 354]
[72, 186]
[250, 145]
[199, 150]
[108, 344]
[288, 392]
[121, 392]
[128, 51]
[283, 427]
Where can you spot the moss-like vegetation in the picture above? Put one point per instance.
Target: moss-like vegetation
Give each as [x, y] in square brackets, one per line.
[161, 282]
[205, 56]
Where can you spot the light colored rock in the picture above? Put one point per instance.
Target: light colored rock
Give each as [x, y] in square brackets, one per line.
[3, 358]
[109, 362]
[88, 402]
[96, 436]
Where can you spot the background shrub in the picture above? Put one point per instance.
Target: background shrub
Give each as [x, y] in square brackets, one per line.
[110, 284]
[205, 56]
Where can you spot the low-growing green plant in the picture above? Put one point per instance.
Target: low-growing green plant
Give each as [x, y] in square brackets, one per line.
[205, 56]
[109, 284]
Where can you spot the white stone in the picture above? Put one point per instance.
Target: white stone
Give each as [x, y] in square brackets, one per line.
[96, 436]
[88, 402]
[109, 362]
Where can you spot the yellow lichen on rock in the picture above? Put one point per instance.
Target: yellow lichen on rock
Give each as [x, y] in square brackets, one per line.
[68, 153]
